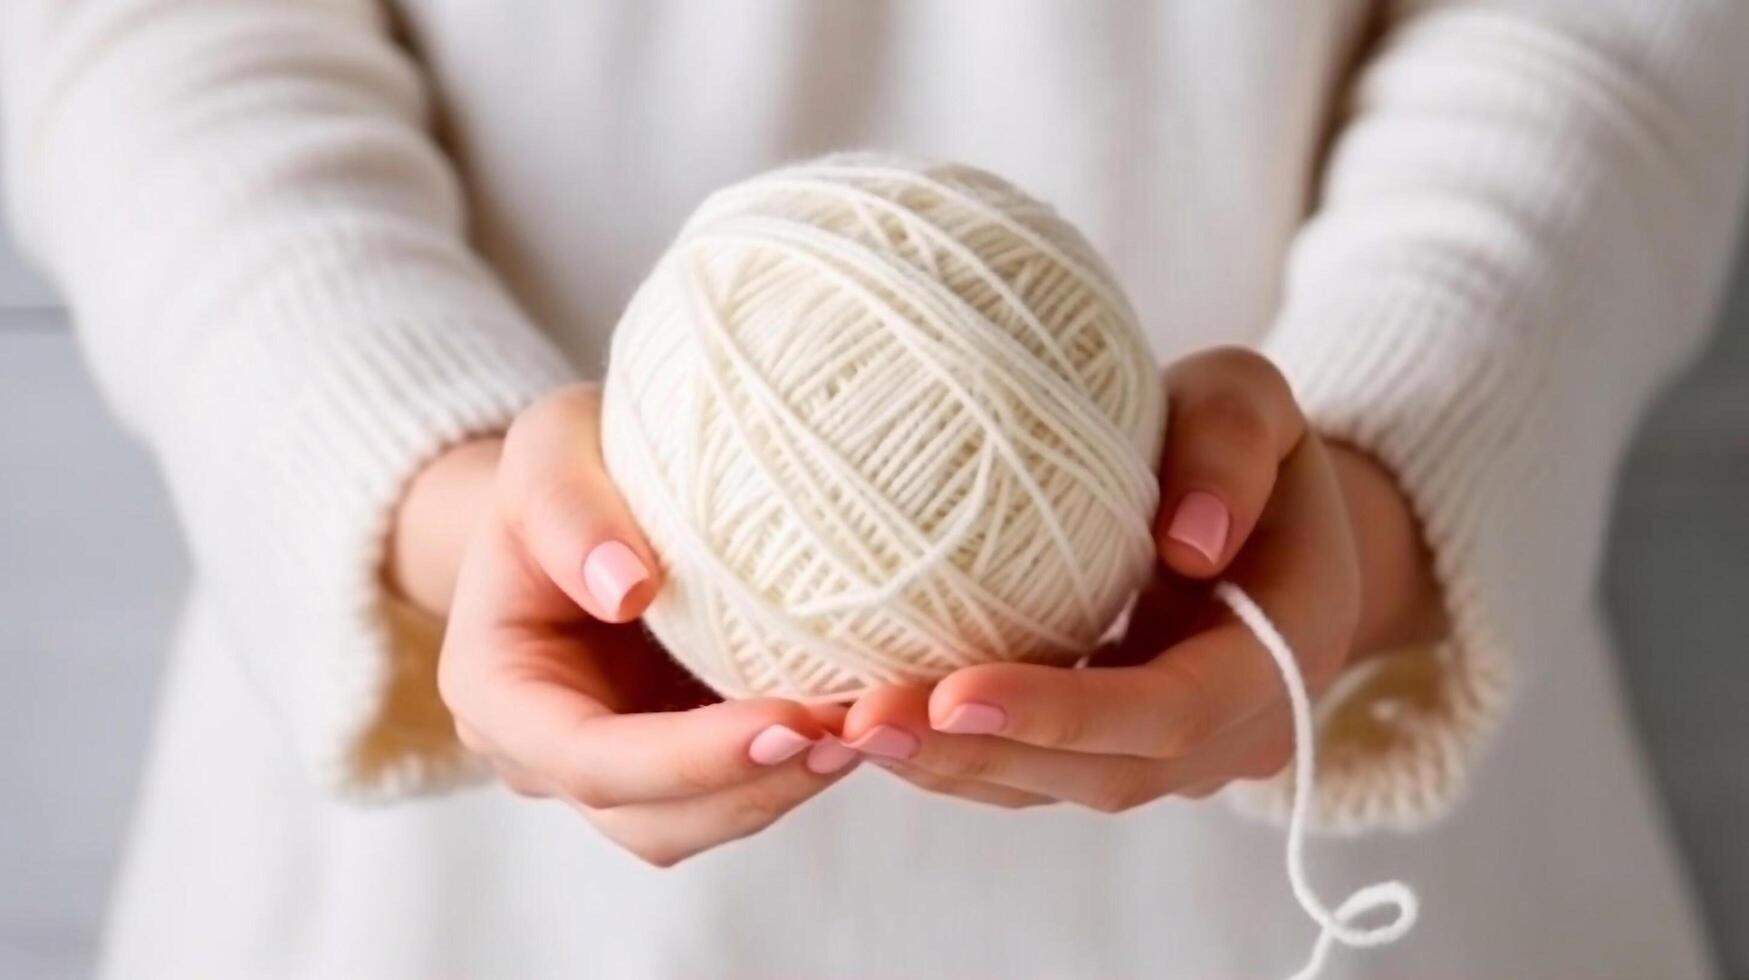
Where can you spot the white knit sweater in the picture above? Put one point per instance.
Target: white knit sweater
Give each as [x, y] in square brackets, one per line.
[1476, 234]
[1516, 234]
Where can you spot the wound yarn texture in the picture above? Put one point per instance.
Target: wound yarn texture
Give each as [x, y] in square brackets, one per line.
[881, 419]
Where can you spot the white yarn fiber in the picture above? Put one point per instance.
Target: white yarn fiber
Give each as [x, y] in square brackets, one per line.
[882, 419]
[1394, 896]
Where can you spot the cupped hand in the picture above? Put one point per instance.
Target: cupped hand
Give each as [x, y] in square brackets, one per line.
[1188, 701]
[549, 679]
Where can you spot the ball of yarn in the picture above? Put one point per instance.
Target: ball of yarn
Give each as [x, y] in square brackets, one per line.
[881, 419]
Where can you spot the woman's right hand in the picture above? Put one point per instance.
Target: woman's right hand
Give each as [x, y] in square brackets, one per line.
[548, 677]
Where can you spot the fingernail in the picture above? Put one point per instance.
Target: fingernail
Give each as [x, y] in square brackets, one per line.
[775, 744]
[1201, 522]
[887, 741]
[829, 755]
[611, 572]
[973, 718]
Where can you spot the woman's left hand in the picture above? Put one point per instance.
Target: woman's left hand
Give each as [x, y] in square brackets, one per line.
[1316, 533]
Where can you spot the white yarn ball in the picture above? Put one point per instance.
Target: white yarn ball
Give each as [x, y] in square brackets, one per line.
[882, 419]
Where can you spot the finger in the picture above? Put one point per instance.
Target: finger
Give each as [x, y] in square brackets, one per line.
[895, 726]
[667, 833]
[517, 779]
[533, 713]
[986, 793]
[1258, 749]
[1233, 419]
[887, 722]
[1165, 709]
[1107, 783]
[520, 781]
[567, 511]
[1202, 791]
[1202, 686]
[470, 738]
[1159, 710]
[830, 714]
[615, 760]
[532, 694]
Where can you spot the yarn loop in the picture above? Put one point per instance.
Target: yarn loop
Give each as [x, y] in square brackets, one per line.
[1335, 927]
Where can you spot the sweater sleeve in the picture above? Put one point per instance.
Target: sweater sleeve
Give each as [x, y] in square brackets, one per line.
[1523, 226]
[264, 256]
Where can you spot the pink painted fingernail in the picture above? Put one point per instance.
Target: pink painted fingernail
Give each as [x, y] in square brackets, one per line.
[775, 744]
[829, 755]
[1201, 522]
[973, 718]
[887, 741]
[612, 571]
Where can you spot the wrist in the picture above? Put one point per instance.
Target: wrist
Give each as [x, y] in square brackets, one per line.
[434, 519]
[1401, 601]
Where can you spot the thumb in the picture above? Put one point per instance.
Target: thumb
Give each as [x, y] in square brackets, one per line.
[1231, 421]
[570, 516]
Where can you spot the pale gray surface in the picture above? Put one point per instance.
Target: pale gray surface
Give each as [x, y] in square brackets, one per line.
[1677, 588]
[19, 286]
[90, 568]
[90, 571]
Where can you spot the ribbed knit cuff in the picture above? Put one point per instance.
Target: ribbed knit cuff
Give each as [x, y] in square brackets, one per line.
[1380, 368]
[346, 383]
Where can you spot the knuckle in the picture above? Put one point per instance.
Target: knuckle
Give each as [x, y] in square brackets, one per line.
[1271, 757]
[1185, 718]
[1202, 791]
[1119, 796]
[587, 792]
[971, 766]
[541, 440]
[1106, 806]
[928, 782]
[1260, 374]
[1263, 766]
[556, 407]
[698, 774]
[1252, 372]
[660, 856]
[755, 810]
[1001, 801]
[469, 738]
[521, 785]
[451, 684]
[554, 500]
[1236, 421]
[1322, 660]
[645, 840]
[1067, 727]
[918, 779]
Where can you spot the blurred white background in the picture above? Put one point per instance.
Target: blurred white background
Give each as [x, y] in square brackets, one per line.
[91, 571]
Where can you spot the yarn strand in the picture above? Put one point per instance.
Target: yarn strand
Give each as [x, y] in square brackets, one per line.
[882, 419]
[1334, 927]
